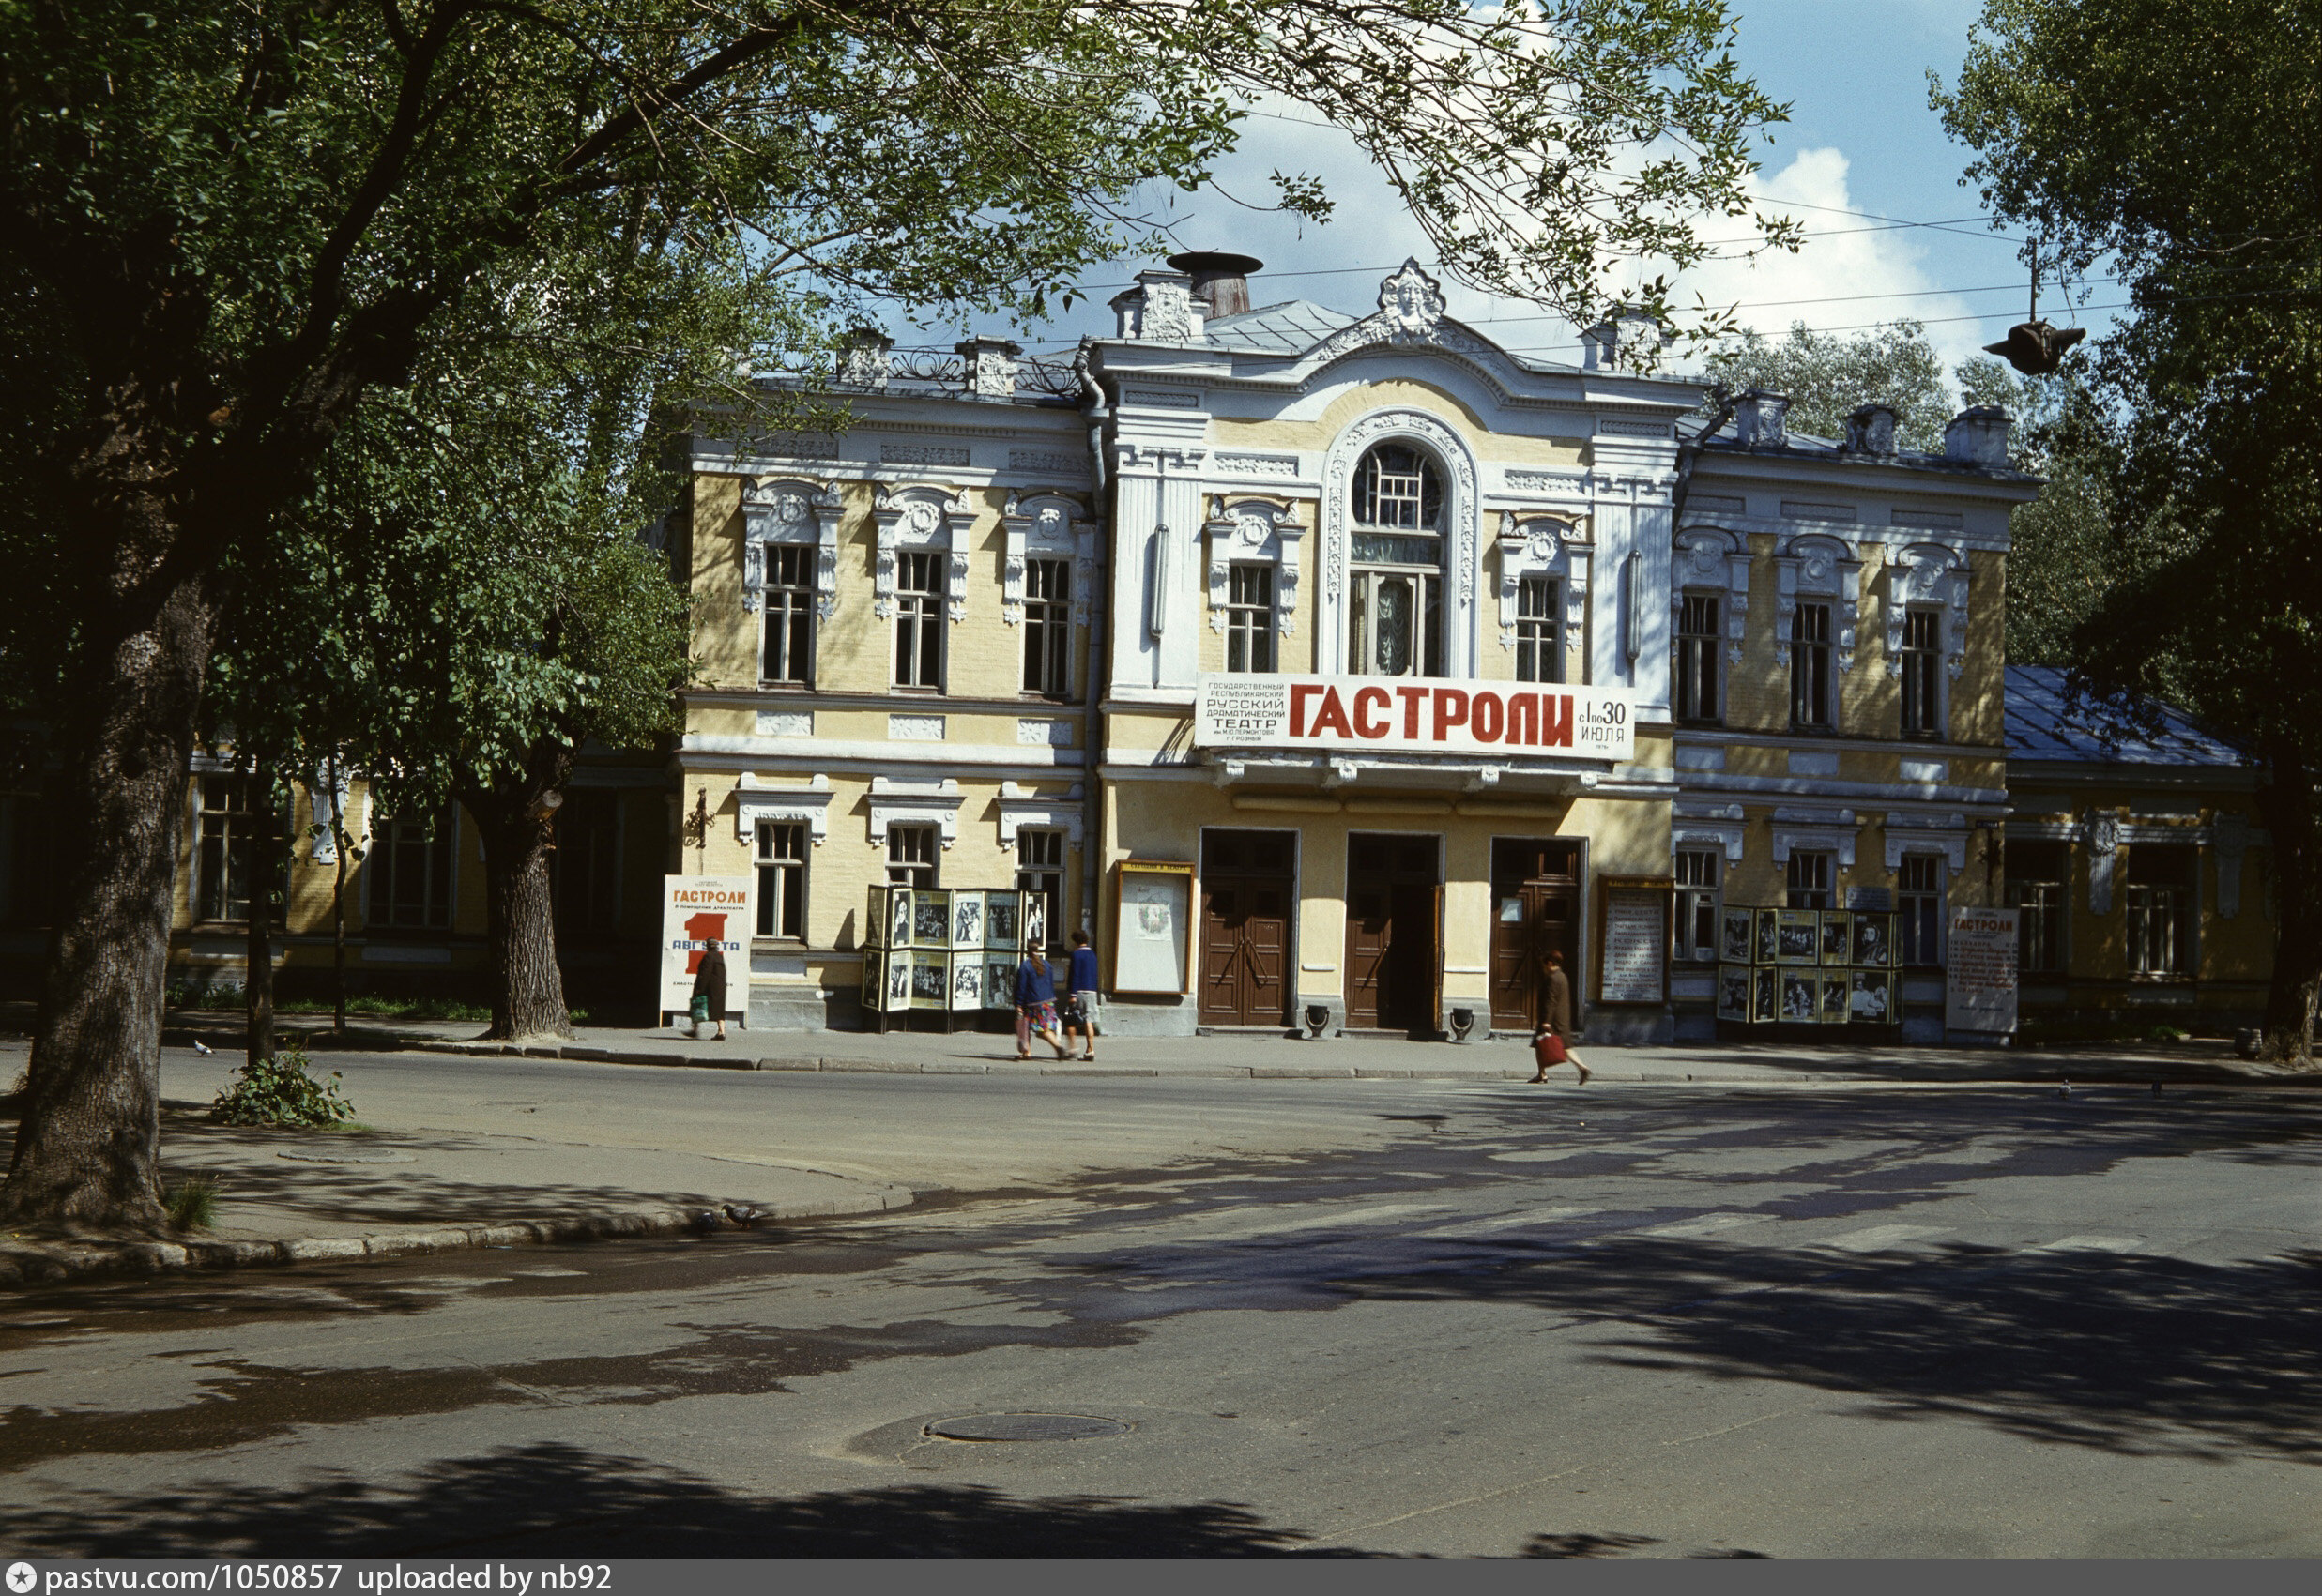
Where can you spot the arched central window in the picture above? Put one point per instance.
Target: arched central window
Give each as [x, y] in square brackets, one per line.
[1395, 616]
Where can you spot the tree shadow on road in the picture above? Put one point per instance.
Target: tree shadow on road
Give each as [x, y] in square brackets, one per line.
[2140, 1356]
[556, 1500]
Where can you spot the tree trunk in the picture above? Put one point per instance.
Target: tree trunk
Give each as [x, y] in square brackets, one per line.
[265, 854]
[515, 815]
[2293, 815]
[339, 841]
[85, 1152]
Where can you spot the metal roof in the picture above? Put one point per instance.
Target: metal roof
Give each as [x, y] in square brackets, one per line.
[1291, 328]
[2048, 721]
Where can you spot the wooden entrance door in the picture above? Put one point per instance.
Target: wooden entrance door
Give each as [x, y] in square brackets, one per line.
[1394, 951]
[1247, 889]
[1535, 900]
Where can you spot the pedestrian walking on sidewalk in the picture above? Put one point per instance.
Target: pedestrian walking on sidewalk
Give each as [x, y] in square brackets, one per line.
[1080, 996]
[1552, 1044]
[710, 991]
[1035, 1005]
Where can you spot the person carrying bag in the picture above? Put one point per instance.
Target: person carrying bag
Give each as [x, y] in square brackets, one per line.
[1549, 1044]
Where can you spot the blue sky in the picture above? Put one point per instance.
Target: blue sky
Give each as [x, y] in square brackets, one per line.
[1861, 138]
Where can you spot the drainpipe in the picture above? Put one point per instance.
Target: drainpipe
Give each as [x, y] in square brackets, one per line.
[1688, 454]
[1098, 678]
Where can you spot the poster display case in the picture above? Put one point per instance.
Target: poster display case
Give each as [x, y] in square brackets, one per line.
[1797, 936]
[1153, 929]
[1632, 950]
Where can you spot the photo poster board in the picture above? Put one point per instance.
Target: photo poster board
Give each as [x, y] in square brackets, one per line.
[1980, 981]
[1632, 943]
[1153, 927]
[697, 911]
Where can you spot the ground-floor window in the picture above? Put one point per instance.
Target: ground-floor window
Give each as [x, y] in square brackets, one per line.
[911, 855]
[585, 865]
[1809, 878]
[2037, 878]
[2160, 910]
[1697, 904]
[1040, 870]
[782, 877]
[1918, 893]
[408, 872]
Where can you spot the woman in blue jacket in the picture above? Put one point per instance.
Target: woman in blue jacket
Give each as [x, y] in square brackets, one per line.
[1035, 1004]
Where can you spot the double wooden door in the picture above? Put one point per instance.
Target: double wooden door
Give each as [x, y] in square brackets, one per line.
[1536, 901]
[1395, 933]
[1248, 887]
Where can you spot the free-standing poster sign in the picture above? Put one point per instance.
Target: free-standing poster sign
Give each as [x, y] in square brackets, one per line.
[1980, 983]
[1632, 950]
[697, 911]
[1152, 928]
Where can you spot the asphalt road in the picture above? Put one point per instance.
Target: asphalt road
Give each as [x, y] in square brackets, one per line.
[1472, 1320]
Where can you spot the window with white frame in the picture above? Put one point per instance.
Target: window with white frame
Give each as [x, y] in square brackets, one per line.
[1922, 673]
[408, 872]
[2037, 890]
[1697, 904]
[1040, 870]
[1394, 607]
[1807, 879]
[2160, 910]
[1539, 635]
[1697, 659]
[788, 608]
[919, 619]
[1048, 628]
[1918, 893]
[1813, 689]
[1249, 618]
[782, 878]
[911, 853]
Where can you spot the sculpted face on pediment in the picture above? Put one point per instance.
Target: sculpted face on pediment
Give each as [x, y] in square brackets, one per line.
[1411, 301]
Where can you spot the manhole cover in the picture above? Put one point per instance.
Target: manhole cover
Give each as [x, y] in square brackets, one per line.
[1026, 1427]
[353, 1155]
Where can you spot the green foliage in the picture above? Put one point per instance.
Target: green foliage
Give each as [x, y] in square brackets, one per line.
[280, 1091]
[1828, 375]
[2172, 142]
[191, 1204]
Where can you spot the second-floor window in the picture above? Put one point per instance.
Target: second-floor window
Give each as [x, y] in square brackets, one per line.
[1697, 904]
[2037, 879]
[1540, 641]
[1809, 880]
[1922, 674]
[911, 856]
[1395, 625]
[918, 619]
[1048, 628]
[789, 654]
[409, 870]
[2160, 910]
[1918, 892]
[1697, 659]
[782, 877]
[1249, 618]
[1813, 691]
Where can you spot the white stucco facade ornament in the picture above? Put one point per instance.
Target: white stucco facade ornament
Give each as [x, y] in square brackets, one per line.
[1045, 526]
[1817, 566]
[809, 805]
[921, 518]
[1411, 302]
[1249, 531]
[792, 511]
[1929, 574]
[2103, 833]
[1549, 546]
[1462, 525]
[1713, 560]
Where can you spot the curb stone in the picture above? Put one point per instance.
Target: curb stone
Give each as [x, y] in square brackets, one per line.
[23, 1266]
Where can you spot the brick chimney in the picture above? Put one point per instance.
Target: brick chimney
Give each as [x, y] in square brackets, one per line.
[1978, 437]
[1762, 418]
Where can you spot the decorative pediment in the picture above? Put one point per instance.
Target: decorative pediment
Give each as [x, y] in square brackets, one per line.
[917, 518]
[1929, 574]
[914, 803]
[809, 804]
[790, 510]
[1253, 531]
[1019, 808]
[1411, 302]
[1814, 564]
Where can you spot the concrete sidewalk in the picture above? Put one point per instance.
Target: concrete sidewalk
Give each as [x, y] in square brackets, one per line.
[1268, 1056]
